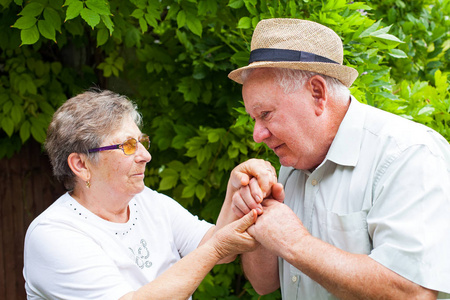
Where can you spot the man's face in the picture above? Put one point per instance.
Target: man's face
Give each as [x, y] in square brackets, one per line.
[286, 123]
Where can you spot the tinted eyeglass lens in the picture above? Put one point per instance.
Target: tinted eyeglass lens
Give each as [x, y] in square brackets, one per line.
[145, 141]
[129, 147]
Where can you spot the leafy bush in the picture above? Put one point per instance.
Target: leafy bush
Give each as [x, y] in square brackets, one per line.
[173, 57]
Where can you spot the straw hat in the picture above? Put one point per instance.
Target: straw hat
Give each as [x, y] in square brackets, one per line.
[297, 44]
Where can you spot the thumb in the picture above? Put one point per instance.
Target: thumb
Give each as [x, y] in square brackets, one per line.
[278, 192]
[239, 179]
[247, 221]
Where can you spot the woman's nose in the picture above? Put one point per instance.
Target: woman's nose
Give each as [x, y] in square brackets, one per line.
[142, 154]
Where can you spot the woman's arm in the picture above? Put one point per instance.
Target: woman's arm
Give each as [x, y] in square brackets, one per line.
[182, 279]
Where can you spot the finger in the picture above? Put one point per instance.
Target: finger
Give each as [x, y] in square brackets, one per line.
[242, 174]
[237, 212]
[252, 231]
[239, 179]
[239, 204]
[278, 192]
[248, 200]
[269, 202]
[246, 221]
[266, 179]
[255, 190]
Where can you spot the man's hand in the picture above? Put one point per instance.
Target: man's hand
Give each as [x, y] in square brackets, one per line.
[276, 227]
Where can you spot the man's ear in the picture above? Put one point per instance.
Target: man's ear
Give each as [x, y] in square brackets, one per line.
[78, 164]
[318, 88]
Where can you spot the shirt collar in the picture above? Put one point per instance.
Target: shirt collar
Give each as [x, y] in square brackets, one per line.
[346, 144]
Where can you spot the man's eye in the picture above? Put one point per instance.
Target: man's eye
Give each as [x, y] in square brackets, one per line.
[264, 114]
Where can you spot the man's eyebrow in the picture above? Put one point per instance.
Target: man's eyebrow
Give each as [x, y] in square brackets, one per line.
[255, 106]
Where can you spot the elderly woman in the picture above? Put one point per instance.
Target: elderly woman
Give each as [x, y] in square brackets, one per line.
[109, 236]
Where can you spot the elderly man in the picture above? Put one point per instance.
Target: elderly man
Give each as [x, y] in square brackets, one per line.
[366, 213]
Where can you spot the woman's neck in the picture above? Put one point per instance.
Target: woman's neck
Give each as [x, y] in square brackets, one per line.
[108, 208]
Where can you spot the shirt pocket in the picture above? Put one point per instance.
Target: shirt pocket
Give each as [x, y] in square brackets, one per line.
[349, 231]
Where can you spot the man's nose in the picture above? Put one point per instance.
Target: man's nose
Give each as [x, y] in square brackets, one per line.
[260, 132]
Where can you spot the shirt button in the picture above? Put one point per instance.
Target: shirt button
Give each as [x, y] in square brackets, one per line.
[314, 182]
[294, 279]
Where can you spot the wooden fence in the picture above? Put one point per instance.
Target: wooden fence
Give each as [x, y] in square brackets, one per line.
[27, 187]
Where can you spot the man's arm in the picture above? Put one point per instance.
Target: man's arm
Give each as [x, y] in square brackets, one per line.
[346, 275]
[261, 269]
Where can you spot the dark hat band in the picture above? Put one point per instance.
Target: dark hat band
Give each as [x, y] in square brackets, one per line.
[273, 54]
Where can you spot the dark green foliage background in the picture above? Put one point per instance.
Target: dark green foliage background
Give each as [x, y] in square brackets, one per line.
[172, 58]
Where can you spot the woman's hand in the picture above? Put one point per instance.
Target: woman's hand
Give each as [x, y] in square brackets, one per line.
[233, 238]
[245, 200]
[261, 170]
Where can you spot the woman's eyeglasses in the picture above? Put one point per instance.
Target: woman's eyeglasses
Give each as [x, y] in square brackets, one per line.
[128, 147]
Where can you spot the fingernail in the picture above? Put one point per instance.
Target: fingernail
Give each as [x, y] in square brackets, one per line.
[258, 198]
[259, 210]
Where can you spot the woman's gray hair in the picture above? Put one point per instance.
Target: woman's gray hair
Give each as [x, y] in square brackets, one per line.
[82, 123]
[291, 80]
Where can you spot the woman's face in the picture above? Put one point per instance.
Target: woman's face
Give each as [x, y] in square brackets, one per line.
[118, 174]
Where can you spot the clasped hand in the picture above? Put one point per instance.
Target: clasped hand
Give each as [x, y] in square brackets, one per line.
[277, 226]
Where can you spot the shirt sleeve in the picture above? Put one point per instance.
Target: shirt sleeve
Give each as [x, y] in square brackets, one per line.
[63, 263]
[409, 218]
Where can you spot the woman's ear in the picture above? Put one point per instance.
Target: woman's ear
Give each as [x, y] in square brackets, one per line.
[319, 92]
[78, 164]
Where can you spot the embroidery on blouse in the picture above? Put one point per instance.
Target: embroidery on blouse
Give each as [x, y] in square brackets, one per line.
[141, 256]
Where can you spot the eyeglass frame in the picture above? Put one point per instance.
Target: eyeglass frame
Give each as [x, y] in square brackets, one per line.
[120, 146]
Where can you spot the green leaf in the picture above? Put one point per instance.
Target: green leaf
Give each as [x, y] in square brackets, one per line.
[188, 191]
[56, 67]
[181, 19]
[46, 108]
[213, 137]
[200, 192]
[194, 25]
[74, 9]
[370, 30]
[143, 25]
[38, 134]
[244, 23]
[206, 7]
[108, 23]
[236, 4]
[29, 36]
[169, 179]
[47, 30]
[16, 113]
[25, 22]
[8, 126]
[388, 37]
[98, 6]
[7, 107]
[25, 131]
[91, 17]
[102, 36]
[233, 152]
[137, 13]
[151, 20]
[52, 16]
[251, 7]
[397, 53]
[32, 9]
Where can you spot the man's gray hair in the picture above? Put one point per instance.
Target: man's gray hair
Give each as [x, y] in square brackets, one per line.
[82, 123]
[291, 80]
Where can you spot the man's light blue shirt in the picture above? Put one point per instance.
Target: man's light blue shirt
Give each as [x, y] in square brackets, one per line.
[382, 190]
